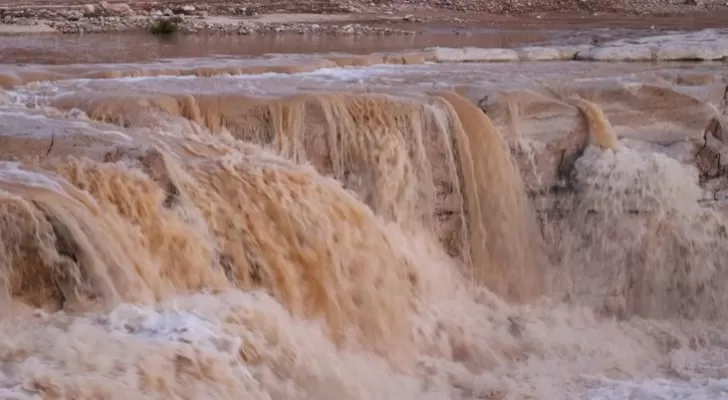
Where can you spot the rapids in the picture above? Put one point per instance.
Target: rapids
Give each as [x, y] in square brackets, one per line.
[384, 226]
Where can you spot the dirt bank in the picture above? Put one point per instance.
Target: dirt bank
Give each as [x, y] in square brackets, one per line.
[650, 7]
[355, 17]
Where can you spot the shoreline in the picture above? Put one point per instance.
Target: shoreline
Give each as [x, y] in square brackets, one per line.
[690, 47]
[216, 19]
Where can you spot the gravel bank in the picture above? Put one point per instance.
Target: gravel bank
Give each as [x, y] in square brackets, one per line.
[318, 17]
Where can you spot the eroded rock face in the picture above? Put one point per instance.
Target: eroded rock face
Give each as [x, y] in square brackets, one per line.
[711, 158]
[641, 225]
[547, 132]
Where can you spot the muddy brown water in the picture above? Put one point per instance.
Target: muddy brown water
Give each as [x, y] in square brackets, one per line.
[140, 47]
[143, 47]
[447, 29]
[191, 220]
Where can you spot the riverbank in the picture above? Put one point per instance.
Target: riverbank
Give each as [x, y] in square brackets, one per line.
[192, 24]
[337, 18]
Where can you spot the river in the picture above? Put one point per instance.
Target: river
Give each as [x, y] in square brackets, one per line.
[395, 218]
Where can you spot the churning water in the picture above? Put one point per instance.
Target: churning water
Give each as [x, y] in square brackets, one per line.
[363, 227]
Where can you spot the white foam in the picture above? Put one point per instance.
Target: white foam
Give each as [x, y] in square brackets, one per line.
[134, 79]
[170, 326]
[659, 389]
[349, 74]
[11, 171]
[17, 393]
[474, 54]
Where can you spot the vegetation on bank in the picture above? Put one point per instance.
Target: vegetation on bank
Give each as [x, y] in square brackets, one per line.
[165, 26]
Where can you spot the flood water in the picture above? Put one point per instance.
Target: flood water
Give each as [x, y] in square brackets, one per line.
[139, 47]
[359, 218]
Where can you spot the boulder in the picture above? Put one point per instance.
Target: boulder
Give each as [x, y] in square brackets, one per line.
[115, 9]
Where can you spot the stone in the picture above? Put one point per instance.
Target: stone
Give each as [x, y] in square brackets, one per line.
[711, 156]
[184, 10]
[116, 9]
[539, 54]
[617, 53]
[692, 51]
[74, 15]
[89, 10]
[474, 54]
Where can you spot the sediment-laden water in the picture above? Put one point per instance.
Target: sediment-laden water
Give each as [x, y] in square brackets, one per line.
[384, 226]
